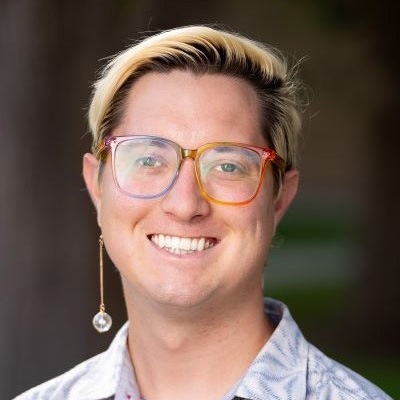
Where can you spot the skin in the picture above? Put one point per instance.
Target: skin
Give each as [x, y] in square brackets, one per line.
[191, 315]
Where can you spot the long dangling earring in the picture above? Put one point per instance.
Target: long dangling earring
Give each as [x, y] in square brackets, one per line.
[101, 321]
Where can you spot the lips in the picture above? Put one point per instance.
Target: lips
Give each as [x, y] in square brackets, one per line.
[182, 245]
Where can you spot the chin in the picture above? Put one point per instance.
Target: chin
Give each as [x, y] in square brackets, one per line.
[181, 299]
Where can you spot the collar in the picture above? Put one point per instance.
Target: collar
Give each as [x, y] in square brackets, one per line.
[104, 372]
[280, 368]
[278, 371]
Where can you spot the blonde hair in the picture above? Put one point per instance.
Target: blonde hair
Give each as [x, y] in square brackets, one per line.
[202, 49]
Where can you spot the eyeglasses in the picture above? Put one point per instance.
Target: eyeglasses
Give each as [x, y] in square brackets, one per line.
[227, 173]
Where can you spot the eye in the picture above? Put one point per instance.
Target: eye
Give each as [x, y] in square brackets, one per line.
[227, 167]
[147, 161]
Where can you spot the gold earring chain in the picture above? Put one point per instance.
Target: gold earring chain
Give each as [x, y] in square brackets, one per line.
[101, 244]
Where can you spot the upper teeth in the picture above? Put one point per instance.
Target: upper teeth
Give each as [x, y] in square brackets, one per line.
[181, 243]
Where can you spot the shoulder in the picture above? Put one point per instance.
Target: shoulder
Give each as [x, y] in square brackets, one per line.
[65, 386]
[327, 378]
[93, 379]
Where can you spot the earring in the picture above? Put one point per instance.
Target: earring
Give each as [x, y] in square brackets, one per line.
[101, 321]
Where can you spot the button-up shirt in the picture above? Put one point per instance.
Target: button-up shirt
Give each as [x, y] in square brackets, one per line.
[287, 367]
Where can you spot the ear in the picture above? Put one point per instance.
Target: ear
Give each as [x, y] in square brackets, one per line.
[90, 175]
[286, 195]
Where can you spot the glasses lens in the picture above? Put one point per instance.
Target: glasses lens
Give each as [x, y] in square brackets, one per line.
[145, 167]
[230, 173]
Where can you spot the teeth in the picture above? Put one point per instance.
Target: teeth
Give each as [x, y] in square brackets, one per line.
[193, 245]
[178, 245]
[175, 242]
[200, 245]
[185, 243]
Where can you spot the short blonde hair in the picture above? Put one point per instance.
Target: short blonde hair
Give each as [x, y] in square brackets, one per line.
[202, 49]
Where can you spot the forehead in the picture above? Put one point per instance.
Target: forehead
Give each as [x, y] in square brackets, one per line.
[193, 109]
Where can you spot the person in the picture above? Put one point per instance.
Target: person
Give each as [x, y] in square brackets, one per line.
[193, 166]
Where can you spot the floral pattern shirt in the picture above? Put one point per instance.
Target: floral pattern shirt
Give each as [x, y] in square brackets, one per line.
[287, 367]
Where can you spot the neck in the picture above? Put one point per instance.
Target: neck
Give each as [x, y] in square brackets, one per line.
[200, 357]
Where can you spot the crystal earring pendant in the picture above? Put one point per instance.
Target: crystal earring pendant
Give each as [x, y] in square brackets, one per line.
[101, 321]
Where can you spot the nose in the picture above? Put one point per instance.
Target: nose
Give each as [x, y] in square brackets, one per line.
[184, 201]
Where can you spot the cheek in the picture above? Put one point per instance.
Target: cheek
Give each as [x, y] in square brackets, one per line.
[253, 224]
[117, 210]
[113, 205]
[119, 216]
[258, 226]
[252, 232]
[260, 218]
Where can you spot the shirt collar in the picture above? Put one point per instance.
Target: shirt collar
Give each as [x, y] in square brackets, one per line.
[280, 368]
[278, 371]
[103, 375]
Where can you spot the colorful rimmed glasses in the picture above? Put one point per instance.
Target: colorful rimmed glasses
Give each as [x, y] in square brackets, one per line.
[227, 173]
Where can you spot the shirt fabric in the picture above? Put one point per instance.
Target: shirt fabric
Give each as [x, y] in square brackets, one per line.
[287, 367]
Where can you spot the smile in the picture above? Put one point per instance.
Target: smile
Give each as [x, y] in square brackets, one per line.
[182, 245]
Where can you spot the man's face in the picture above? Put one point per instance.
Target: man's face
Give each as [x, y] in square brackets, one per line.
[191, 111]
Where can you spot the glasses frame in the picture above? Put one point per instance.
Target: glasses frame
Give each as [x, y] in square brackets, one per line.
[266, 155]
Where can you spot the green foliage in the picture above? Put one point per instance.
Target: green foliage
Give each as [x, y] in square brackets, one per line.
[315, 229]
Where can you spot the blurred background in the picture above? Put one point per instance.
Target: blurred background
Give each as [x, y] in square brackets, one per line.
[335, 260]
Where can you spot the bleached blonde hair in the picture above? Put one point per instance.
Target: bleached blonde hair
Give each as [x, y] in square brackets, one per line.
[200, 50]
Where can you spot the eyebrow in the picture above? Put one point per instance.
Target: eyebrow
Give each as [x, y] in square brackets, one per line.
[229, 149]
[153, 142]
[225, 149]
